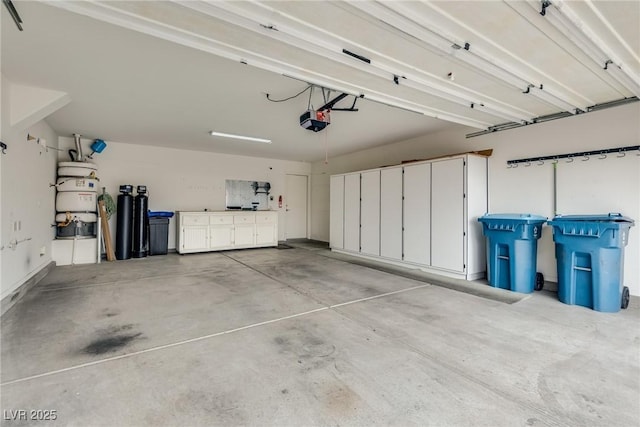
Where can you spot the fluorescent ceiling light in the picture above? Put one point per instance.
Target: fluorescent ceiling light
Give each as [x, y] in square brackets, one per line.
[246, 138]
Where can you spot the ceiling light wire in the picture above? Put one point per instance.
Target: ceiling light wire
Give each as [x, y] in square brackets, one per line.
[290, 97]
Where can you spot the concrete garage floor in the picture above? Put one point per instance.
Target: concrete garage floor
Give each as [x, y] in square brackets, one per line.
[296, 337]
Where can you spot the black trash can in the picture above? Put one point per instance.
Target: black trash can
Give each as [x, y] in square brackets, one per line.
[159, 232]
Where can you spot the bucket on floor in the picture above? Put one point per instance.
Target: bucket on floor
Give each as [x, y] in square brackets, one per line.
[590, 260]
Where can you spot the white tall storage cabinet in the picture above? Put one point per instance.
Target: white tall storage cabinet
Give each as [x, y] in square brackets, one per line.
[416, 215]
[447, 214]
[422, 215]
[370, 213]
[336, 213]
[391, 213]
[352, 212]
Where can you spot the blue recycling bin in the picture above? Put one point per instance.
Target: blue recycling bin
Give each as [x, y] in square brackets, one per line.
[590, 258]
[512, 248]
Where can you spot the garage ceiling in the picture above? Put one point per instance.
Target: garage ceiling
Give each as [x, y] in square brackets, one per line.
[165, 73]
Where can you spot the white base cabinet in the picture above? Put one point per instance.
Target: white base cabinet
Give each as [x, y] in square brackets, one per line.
[422, 214]
[215, 231]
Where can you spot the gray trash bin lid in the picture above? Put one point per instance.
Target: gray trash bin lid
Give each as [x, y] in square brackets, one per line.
[610, 217]
[523, 218]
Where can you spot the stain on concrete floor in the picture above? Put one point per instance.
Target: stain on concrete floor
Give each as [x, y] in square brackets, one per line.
[111, 340]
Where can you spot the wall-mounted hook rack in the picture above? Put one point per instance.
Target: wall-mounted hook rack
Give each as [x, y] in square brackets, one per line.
[621, 152]
[3, 147]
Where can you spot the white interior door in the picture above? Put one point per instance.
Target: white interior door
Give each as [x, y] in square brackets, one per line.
[336, 212]
[352, 212]
[296, 207]
[447, 214]
[417, 214]
[391, 213]
[370, 213]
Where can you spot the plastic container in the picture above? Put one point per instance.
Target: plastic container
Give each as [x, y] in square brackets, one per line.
[512, 247]
[77, 229]
[76, 184]
[76, 201]
[158, 235]
[76, 169]
[77, 216]
[590, 260]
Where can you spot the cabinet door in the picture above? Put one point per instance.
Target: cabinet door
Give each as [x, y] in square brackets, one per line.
[370, 213]
[195, 238]
[336, 212]
[266, 234]
[352, 212]
[391, 213]
[221, 236]
[417, 214]
[447, 214]
[244, 235]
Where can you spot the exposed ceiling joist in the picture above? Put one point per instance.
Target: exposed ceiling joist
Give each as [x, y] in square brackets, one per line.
[484, 64]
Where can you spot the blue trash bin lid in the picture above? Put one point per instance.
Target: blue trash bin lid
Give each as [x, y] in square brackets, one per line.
[610, 217]
[159, 214]
[521, 218]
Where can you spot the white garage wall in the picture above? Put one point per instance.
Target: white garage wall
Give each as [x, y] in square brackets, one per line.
[182, 180]
[27, 201]
[594, 186]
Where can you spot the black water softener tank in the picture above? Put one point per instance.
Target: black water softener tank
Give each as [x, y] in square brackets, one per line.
[140, 223]
[124, 222]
